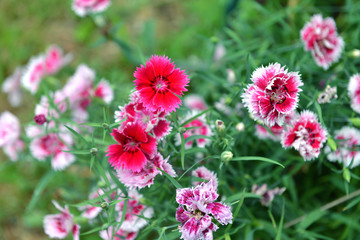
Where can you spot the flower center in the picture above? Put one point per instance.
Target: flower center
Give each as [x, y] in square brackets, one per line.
[278, 95]
[160, 83]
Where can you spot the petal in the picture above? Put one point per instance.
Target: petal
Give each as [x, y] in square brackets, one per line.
[136, 132]
[150, 146]
[221, 212]
[114, 153]
[133, 160]
[287, 106]
[194, 228]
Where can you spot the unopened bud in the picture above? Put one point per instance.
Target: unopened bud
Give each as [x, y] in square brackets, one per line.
[182, 130]
[220, 126]
[104, 205]
[230, 75]
[93, 151]
[105, 125]
[347, 175]
[355, 53]
[240, 127]
[40, 119]
[101, 184]
[226, 156]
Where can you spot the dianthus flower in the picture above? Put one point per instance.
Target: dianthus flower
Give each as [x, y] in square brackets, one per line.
[197, 209]
[44, 107]
[33, 74]
[306, 135]
[354, 92]
[206, 174]
[60, 225]
[9, 128]
[347, 151]
[90, 211]
[54, 59]
[266, 194]
[12, 86]
[195, 102]
[321, 39]
[104, 91]
[85, 7]
[276, 130]
[119, 235]
[134, 148]
[152, 121]
[147, 173]
[273, 94]
[159, 84]
[12, 150]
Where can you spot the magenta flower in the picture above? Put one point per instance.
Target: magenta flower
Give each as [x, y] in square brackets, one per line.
[159, 84]
[85, 7]
[306, 135]
[321, 39]
[266, 194]
[134, 148]
[347, 151]
[206, 174]
[354, 92]
[197, 209]
[273, 94]
[119, 235]
[60, 225]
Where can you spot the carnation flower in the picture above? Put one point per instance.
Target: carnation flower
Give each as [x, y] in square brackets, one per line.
[60, 225]
[12, 86]
[321, 39]
[134, 148]
[195, 102]
[119, 235]
[273, 94]
[147, 174]
[33, 74]
[347, 151]
[197, 209]
[206, 174]
[152, 121]
[306, 135]
[159, 84]
[85, 7]
[354, 92]
[44, 108]
[275, 131]
[9, 128]
[104, 91]
[55, 59]
[266, 194]
[12, 150]
[90, 211]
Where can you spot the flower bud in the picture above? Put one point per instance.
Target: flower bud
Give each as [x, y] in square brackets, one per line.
[220, 126]
[355, 53]
[104, 205]
[226, 156]
[40, 119]
[347, 174]
[93, 151]
[182, 130]
[240, 127]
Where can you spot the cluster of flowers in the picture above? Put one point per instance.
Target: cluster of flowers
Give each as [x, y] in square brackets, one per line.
[135, 156]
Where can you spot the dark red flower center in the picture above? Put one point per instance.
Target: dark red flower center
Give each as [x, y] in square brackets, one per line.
[160, 84]
[277, 94]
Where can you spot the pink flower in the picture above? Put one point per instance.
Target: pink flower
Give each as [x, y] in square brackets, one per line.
[347, 152]
[60, 225]
[204, 173]
[119, 235]
[266, 194]
[33, 74]
[12, 86]
[152, 121]
[159, 84]
[276, 130]
[195, 102]
[104, 91]
[306, 135]
[55, 59]
[321, 39]
[85, 7]
[273, 94]
[134, 148]
[12, 150]
[9, 128]
[50, 145]
[44, 107]
[354, 92]
[90, 211]
[196, 210]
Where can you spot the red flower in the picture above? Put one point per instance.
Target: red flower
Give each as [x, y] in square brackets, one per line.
[134, 147]
[159, 84]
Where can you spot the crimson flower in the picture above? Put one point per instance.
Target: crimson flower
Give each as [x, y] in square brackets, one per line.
[134, 147]
[159, 84]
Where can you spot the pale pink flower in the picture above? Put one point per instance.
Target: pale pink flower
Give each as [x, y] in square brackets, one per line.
[60, 225]
[9, 128]
[33, 74]
[273, 94]
[104, 91]
[347, 151]
[12, 150]
[119, 235]
[12, 86]
[306, 135]
[354, 92]
[85, 7]
[195, 102]
[44, 107]
[196, 210]
[266, 194]
[90, 211]
[219, 52]
[321, 39]
[55, 59]
[145, 178]
[206, 174]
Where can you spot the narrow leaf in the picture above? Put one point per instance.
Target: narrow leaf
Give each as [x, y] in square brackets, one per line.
[255, 158]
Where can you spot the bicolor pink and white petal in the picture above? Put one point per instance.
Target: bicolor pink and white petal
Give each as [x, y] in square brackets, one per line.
[354, 92]
[85, 7]
[206, 174]
[12, 86]
[273, 94]
[104, 91]
[33, 74]
[55, 59]
[322, 40]
[9, 129]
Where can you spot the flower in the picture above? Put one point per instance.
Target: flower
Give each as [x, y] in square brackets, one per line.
[266, 194]
[321, 39]
[44, 107]
[159, 84]
[275, 131]
[306, 135]
[328, 94]
[9, 128]
[85, 7]
[273, 94]
[33, 74]
[195, 102]
[12, 150]
[40, 119]
[119, 235]
[347, 150]
[12, 86]
[90, 211]
[206, 174]
[60, 225]
[197, 209]
[147, 174]
[354, 92]
[134, 148]
[104, 91]
[55, 59]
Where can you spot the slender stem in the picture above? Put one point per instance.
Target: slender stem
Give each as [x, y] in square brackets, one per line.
[325, 207]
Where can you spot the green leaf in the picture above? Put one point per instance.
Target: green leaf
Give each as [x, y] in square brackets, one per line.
[255, 158]
[331, 143]
[311, 218]
[195, 117]
[240, 195]
[347, 174]
[78, 152]
[78, 135]
[243, 195]
[182, 151]
[99, 125]
[278, 234]
[319, 112]
[355, 121]
[172, 180]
